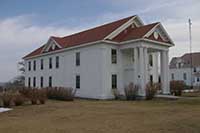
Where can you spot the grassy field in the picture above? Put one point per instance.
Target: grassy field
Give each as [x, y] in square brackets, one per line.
[191, 94]
[84, 116]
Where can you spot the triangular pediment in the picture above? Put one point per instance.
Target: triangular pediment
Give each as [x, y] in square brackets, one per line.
[134, 22]
[51, 45]
[158, 33]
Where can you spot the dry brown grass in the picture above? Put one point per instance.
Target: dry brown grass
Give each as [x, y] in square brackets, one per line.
[191, 94]
[83, 116]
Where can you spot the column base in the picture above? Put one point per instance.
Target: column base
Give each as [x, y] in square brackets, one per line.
[166, 93]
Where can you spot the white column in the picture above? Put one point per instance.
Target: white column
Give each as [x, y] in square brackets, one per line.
[120, 69]
[167, 91]
[141, 72]
[146, 59]
[155, 67]
[164, 72]
[135, 65]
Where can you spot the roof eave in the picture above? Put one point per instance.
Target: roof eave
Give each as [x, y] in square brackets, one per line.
[63, 49]
[147, 40]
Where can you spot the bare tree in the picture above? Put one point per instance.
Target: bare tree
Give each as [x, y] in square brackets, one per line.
[21, 67]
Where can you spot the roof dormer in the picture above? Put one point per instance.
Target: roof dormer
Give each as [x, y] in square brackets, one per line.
[51, 45]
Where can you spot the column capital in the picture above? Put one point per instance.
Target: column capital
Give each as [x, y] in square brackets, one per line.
[142, 46]
[164, 50]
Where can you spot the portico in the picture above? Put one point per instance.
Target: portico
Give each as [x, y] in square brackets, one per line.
[143, 70]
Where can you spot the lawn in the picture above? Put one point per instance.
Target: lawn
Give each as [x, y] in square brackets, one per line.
[87, 116]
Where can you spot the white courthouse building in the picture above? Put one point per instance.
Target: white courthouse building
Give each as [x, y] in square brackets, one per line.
[186, 68]
[100, 59]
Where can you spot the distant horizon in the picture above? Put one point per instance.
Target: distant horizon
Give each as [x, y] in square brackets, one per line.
[26, 25]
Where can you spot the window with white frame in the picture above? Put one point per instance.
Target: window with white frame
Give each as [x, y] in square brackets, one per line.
[151, 79]
[34, 81]
[41, 64]
[77, 58]
[150, 60]
[198, 79]
[77, 81]
[114, 81]
[41, 82]
[57, 61]
[29, 82]
[184, 76]
[34, 65]
[29, 66]
[172, 76]
[195, 70]
[50, 63]
[50, 81]
[114, 56]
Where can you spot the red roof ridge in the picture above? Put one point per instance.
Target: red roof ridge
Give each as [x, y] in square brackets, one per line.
[99, 33]
[190, 53]
[95, 27]
[154, 23]
[86, 36]
[54, 37]
[35, 52]
[134, 33]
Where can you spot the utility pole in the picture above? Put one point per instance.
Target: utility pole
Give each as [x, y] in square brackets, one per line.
[190, 38]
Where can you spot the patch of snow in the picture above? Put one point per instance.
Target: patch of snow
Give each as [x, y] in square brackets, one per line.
[167, 96]
[188, 90]
[5, 109]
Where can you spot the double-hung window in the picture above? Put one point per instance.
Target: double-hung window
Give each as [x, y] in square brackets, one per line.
[41, 82]
[34, 65]
[50, 63]
[172, 76]
[29, 82]
[150, 60]
[57, 61]
[114, 81]
[114, 56]
[78, 59]
[185, 76]
[77, 81]
[34, 81]
[41, 64]
[50, 81]
[29, 66]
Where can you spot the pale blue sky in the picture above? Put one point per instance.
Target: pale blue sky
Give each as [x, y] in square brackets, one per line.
[27, 24]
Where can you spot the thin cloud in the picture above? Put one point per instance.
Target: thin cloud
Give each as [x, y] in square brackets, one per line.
[179, 31]
[19, 36]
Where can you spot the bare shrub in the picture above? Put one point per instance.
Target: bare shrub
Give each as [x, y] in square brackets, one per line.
[131, 91]
[25, 91]
[42, 96]
[18, 99]
[176, 87]
[33, 95]
[151, 89]
[61, 93]
[7, 98]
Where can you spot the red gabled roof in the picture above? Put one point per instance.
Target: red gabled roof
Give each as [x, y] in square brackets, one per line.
[35, 52]
[195, 59]
[99, 33]
[91, 35]
[134, 33]
[187, 59]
